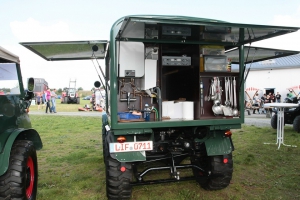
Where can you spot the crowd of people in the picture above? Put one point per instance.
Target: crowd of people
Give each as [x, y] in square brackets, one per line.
[45, 99]
[258, 102]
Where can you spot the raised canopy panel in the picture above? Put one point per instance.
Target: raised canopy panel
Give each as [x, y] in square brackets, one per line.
[255, 54]
[71, 50]
[196, 29]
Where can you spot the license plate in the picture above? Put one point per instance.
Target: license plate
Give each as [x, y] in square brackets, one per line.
[131, 146]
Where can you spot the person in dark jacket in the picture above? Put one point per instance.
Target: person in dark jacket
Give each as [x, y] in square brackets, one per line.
[278, 97]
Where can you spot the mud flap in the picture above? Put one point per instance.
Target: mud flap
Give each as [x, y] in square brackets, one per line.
[217, 144]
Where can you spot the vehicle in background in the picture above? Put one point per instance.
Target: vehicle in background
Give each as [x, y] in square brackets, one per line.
[40, 85]
[18, 140]
[291, 115]
[87, 97]
[70, 94]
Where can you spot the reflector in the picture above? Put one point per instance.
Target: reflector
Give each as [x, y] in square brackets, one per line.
[225, 160]
[123, 169]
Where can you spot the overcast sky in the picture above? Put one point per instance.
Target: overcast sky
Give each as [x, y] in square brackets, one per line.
[69, 20]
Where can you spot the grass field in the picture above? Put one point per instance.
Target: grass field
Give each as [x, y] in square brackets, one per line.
[71, 165]
[62, 107]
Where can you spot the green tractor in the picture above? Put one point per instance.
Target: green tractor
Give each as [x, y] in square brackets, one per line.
[18, 140]
[171, 96]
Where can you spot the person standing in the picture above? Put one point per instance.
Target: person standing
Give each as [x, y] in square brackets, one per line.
[262, 103]
[53, 100]
[272, 97]
[278, 97]
[290, 94]
[48, 96]
[38, 100]
[256, 103]
[268, 100]
[44, 95]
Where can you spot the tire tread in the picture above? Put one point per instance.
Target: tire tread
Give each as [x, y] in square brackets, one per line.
[117, 182]
[11, 183]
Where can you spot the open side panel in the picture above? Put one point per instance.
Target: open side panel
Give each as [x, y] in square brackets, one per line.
[256, 54]
[69, 50]
[198, 30]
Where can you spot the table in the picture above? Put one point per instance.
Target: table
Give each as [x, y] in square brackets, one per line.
[280, 121]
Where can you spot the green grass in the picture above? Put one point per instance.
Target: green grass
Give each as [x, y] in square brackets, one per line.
[71, 165]
[62, 107]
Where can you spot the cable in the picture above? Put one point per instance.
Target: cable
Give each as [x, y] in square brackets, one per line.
[98, 74]
[156, 112]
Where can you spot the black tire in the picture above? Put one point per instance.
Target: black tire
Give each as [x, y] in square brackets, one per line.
[274, 121]
[296, 124]
[21, 177]
[221, 173]
[117, 182]
[66, 100]
[105, 147]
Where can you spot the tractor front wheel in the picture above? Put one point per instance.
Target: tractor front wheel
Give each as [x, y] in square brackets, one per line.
[296, 124]
[118, 178]
[20, 179]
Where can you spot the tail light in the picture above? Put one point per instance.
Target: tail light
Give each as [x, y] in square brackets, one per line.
[228, 133]
[121, 139]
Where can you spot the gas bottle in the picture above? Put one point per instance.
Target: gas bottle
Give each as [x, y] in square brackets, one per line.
[147, 112]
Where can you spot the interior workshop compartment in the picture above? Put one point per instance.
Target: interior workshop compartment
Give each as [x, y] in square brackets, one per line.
[181, 74]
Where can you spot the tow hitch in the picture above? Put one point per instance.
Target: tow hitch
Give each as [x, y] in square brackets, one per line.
[174, 173]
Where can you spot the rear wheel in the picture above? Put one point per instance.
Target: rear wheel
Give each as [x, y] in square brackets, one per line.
[221, 171]
[296, 124]
[20, 180]
[65, 99]
[118, 182]
[274, 121]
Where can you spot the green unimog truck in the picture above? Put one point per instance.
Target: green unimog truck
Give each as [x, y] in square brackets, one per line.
[18, 140]
[172, 98]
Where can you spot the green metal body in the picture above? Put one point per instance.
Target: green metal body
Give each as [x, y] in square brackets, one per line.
[216, 146]
[15, 123]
